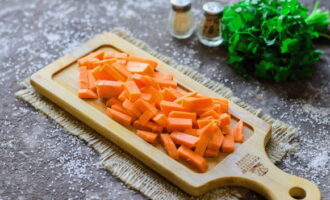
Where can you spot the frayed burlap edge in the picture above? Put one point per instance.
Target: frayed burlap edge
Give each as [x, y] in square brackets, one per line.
[131, 171]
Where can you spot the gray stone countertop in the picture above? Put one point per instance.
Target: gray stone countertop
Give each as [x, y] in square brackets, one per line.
[39, 160]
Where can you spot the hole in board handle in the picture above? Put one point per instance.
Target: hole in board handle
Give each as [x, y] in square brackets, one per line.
[297, 193]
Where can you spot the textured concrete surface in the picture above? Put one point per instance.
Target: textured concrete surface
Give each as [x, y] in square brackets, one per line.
[38, 160]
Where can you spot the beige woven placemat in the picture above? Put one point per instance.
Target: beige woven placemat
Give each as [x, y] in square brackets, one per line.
[133, 172]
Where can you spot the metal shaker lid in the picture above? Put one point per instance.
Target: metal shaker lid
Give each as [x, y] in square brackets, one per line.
[181, 5]
[212, 8]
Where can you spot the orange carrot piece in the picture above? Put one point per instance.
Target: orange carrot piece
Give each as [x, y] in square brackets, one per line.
[206, 134]
[112, 101]
[119, 117]
[103, 62]
[194, 159]
[139, 67]
[152, 63]
[130, 108]
[192, 131]
[226, 130]
[224, 119]
[122, 70]
[216, 141]
[178, 124]
[210, 153]
[166, 83]
[168, 94]
[137, 124]
[228, 143]
[86, 94]
[119, 108]
[147, 136]
[147, 97]
[160, 119]
[123, 96]
[223, 102]
[108, 89]
[109, 55]
[238, 132]
[184, 139]
[100, 74]
[145, 117]
[156, 95]
[167, 107]
[217, 108]
[137, 78]
[144, 105]
[169, 146]
[83, 77]
[149, 126]
[110, 69]
[133, 92]
[194, 104]
[212, 113]
[203, 122]
[182, 114]
[191, 94]
[162, 76]
[91, 81]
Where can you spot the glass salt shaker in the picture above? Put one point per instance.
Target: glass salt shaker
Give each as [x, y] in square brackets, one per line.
[181, 23]
[209, 32]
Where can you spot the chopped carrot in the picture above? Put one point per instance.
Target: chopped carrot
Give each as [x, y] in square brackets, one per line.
[152, 63]
[223, 102]
[144, 105]
[137, 78]
[212, 113]
[211, 153]
[110, 69]
[122, 70]
[147, 97]
[192, 131]
[168, 94]
[206, 134]
[194, 104]
[104, 62]
[169, 146]
[238, 132]
[139, 67]
[194, 159]
[179, 124]
[216, 140]
[226, 130]
[133, 92]
[123, 96]
[203, 122]
[100, 74]
[149, 126]
[112, 101]
[224, 119]
[86, 94]
[166, 83]
[119, 117]
[228, 143]
[145, 117]
[108, 89]
[191, 94]
[184, 139]
[183, 114]
[160, 119]
[137, 124]
[119, 108]
[162, 76]
[217, 108]
[109, 55]
[156, 95]
[167, 107]
[83, 77]
[91, 81]
[130, 108]
[147, 136]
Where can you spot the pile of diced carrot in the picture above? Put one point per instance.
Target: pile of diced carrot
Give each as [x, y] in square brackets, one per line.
[188, 125]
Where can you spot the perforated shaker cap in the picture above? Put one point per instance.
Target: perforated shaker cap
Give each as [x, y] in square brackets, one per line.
[212, 8]
[181, 5]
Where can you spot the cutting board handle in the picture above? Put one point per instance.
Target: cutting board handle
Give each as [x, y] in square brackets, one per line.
[260, 174]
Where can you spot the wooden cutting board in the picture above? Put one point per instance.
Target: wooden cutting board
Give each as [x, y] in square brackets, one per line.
[248, 166]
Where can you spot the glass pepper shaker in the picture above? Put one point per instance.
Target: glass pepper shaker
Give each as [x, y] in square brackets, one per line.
[181, 23]
[209, 32]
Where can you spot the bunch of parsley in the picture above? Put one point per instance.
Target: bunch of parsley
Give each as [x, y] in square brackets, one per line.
[272, 39]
